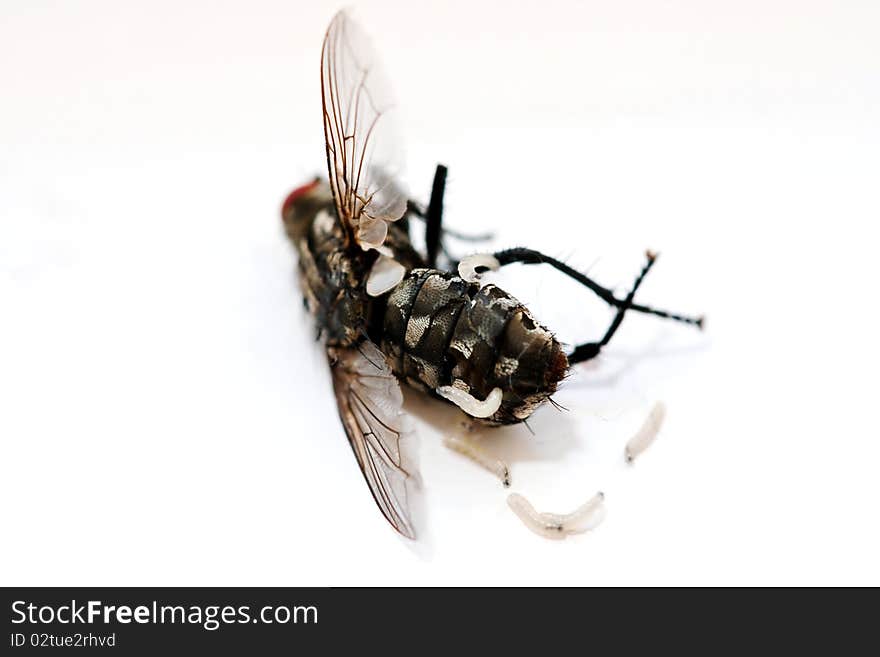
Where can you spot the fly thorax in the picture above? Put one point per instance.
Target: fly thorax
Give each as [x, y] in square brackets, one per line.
[332, 277]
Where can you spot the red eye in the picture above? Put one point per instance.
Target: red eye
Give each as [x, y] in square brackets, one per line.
[299, 192]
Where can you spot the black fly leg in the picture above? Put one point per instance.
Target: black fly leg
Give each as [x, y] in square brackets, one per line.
[532, 257]
[590, 350]
[433, 217]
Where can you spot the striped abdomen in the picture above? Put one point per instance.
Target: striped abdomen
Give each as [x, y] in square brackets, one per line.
[440, 330]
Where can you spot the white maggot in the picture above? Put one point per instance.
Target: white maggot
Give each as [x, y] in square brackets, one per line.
[557, 526]
[475, 453]
[587, 516]
[646, 435]
[470, 404]
[472, 267]
[537, 522]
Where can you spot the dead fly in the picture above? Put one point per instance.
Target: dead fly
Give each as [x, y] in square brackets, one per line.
[387, 312]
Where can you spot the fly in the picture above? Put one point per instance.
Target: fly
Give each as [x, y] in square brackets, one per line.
[388, 313]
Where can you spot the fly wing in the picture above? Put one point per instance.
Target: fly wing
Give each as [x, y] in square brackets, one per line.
[371, 409]
[363, 156]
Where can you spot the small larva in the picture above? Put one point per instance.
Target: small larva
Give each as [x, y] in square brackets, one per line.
[646, 435]
[478, 455]
[472, 268]
[557, 526]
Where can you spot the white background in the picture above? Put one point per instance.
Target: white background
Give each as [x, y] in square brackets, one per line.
[167, 418]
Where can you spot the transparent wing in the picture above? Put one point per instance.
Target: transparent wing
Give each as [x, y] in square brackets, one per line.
[371, 409]
[363, 153]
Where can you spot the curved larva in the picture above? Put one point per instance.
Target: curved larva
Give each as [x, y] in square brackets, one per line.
[472, 267]
[586, 517]
[476, 454]
[535, 521]
[646, 435]
[557, 526]
[470, 404]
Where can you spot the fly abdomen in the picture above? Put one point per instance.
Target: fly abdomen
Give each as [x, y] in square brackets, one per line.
[420, 319]
[397, 314]
[440, 330]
